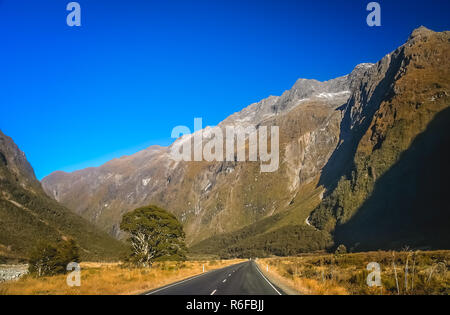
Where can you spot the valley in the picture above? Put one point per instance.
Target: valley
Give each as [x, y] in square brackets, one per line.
[361, 180]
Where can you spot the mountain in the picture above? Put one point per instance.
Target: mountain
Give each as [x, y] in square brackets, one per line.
[338, 139]
[28, 215]
[211, 198]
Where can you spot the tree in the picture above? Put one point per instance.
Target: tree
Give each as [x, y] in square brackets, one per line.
[154, 234]
[341, 250]
[48, 258]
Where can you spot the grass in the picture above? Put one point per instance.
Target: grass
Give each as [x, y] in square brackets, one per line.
[418, 273]
[112, 279]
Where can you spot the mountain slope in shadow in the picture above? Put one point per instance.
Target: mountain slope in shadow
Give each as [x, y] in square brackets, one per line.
[410, 202]
[392, 191]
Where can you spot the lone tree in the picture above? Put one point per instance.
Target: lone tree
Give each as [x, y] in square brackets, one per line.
[154, 234]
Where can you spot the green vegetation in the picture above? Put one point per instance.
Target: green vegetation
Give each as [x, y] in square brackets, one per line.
[47, 259]
[283, 234]
[155, 234]
[254, 241]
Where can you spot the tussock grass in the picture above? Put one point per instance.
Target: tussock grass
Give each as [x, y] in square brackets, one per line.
[112, 278]
[418, 273]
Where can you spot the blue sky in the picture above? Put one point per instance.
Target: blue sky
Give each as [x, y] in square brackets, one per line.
[77, 97]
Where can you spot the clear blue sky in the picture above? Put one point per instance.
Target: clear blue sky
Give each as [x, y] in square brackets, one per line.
[77, 97]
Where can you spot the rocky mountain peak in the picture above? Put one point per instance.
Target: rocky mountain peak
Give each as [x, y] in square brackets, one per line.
[420, 32]
[335, 91]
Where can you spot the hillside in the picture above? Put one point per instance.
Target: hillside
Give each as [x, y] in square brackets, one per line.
[28, 215]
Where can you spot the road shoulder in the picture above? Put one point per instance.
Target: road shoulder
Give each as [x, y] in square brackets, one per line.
[277, 280]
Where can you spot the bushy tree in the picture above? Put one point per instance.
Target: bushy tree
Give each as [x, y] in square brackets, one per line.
[154, 234]
[341, 250]
[48, 258]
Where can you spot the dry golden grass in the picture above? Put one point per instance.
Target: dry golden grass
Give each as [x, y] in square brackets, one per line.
[302, 286]
[112, 278]
[418, 273]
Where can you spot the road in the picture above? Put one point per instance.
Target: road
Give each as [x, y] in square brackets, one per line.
[240, 279]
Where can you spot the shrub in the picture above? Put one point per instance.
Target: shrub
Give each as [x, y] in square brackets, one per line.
[341, 250]
[51, 259]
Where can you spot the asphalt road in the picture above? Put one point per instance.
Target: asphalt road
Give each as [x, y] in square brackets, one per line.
[240, 279]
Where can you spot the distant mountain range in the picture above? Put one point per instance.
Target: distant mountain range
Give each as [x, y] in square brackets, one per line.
[363, 162]
[28, 215]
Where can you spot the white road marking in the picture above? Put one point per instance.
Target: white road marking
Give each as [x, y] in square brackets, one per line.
[224, 280]
[212, 293]
[229, 275]
[257, 268]
[186, 280]
[172, 285]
